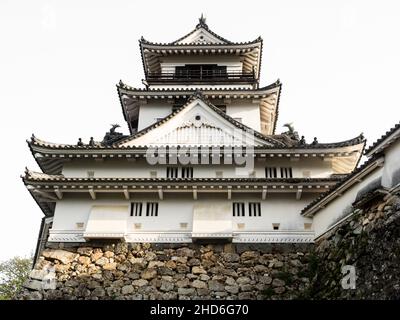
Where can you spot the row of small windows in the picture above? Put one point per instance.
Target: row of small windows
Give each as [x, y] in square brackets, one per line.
[151, 209]
[272, 172]
[176, 172]
[254, 209]
[187, 172]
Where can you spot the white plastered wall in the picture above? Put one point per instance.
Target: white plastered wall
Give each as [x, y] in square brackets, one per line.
[174, 211]
[151, 112]
[392, 164]
[248, 112]
[336, 209]
[124, 168]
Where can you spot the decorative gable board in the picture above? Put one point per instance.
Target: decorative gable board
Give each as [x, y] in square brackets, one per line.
[201, 35]
[196, 124]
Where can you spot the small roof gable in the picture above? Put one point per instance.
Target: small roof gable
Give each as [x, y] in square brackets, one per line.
[201, 34]
[201, 41]
[131, 98]
[198, 122]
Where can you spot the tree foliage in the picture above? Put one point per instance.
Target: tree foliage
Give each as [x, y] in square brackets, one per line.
[13, 274]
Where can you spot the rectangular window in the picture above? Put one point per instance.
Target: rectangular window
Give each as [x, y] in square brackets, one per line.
[172, 172]
[152, 209]
[183, 225]
[307, 226]
[254, 209]
[176, 172]
[306, 174]
[238, 209]
[80, 225]
[270, 172]
[275, 226]
[90, 174]
[187, 172]
[286, 172]
[219, 174]
[136, 209]
[153, 174]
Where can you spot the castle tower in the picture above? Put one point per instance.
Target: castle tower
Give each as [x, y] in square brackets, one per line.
[202, 163]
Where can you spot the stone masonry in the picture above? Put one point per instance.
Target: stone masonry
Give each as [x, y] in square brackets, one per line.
[369, 240]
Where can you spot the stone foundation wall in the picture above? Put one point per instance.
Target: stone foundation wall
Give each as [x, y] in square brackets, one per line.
[369, 240]
[149, 271]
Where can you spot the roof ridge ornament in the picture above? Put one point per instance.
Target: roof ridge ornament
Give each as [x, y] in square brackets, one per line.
[198, 94]
[202, 22]
[111, 136]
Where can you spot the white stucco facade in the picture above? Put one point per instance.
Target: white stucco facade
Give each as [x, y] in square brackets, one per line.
[340, 208]
[392, 165]
[381, 171]
[177, 215]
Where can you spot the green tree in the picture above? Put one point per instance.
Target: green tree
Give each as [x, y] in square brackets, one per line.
[13, 274]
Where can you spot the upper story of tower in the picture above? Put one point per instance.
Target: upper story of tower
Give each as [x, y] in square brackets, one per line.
[202, 58]
[226, 73]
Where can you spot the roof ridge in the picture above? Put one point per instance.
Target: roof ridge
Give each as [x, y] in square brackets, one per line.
[202, 25]
[382, 138]
[257, 40]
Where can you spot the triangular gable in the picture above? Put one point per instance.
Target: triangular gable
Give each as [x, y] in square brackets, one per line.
[201, 35]
[198, 123]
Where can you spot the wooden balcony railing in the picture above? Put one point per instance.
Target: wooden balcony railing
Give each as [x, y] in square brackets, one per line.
[204, 76]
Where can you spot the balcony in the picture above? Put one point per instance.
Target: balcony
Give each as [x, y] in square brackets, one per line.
[204, 76]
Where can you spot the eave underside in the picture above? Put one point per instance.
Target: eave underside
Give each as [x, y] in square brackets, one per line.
[50, 189]
[153, 54]
[52, 157]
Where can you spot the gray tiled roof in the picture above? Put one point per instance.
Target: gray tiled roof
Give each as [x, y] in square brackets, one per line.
[383, 138]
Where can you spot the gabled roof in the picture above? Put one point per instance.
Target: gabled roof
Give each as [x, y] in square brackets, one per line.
[269, 99]
[384, 141]
[152, 51]
[201, 27]
[51, 156]
[199, 96]
[35, 143]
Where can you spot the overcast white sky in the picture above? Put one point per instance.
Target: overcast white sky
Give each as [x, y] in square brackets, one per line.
[339, 62]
